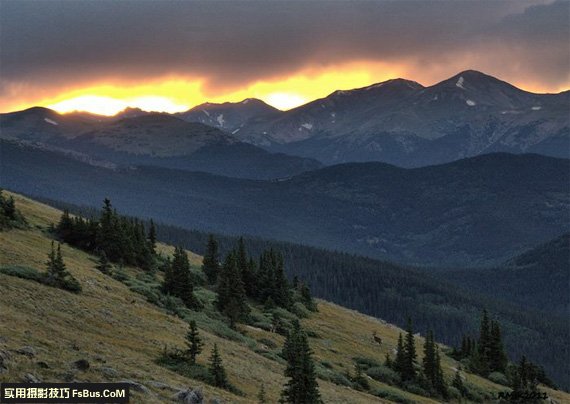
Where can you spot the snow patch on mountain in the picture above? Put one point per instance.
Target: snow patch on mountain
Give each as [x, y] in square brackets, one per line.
[307, 126]
[51, 122]
[471, 103]
[536, 108]
[460, 83]
[206, 112]
[220, 120]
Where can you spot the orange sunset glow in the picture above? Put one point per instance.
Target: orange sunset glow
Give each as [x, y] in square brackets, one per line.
[175, 94]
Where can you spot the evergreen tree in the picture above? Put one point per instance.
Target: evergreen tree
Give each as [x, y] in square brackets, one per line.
[306, 297]
[429, 365]
[210, 262]
[168, 280]
[246, 269]
[261, 396]
[194, 342]
[457, 382]
[104, 265]
[152, 236]
[217, 371]
[526, 380]
[359, 378]
[56, 270]
[408, 371]
[400, 356]
[302, 387]
[178, 279]
[439, 383]
[57, 274]
[497, 358]
[183, 287]
[388, 362]
[231, 299]
[483, 345]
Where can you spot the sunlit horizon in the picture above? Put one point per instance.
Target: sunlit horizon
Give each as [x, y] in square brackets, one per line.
[177, 94]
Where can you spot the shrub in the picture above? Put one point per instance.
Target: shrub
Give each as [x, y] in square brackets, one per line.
[22, 272]
[300, 310]
[383, 374]
[366, 363]
[327, 364]
[268, 342]
[499, 378]
[341, 380]
[69, 283]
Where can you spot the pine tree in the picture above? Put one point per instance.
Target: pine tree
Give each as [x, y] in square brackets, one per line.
[104, 265]
[497, 357]
[302, 387]
[359, 378]
[388, 362]
[400, 356]
[210, 262]
[168, 280]
[439, 380]
[457, 382]
[306, 297]
[183, 287]
[231, 299]
[152, 237]
[261, 396]
[194, 342]
[57, 274]
[246, 269]
[483, 345]
[217, 371]
[429, 366]
[410, 356]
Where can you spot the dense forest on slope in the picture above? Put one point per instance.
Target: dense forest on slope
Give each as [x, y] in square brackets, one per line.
[477, 211]
[538, 279]
[394, 293]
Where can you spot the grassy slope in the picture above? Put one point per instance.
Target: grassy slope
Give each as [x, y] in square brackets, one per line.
[111, 326]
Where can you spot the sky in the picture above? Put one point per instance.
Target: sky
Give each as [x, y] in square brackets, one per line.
[102, 56]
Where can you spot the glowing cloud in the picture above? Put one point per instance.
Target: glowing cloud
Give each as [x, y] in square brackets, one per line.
[175, 94]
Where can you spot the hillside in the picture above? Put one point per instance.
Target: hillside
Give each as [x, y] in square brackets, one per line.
[537, 278]
[477, 211]
[121, 335]
[390, 291]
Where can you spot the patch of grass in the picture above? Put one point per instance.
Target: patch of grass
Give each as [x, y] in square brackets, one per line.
[392, 396]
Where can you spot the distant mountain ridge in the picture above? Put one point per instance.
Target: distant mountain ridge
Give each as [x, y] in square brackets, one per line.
[137, 137]
[229, 116]
[404, 123]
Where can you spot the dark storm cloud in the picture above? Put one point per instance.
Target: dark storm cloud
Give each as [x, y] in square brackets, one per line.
[62, 43]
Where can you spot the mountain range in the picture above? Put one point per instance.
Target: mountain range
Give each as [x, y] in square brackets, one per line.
[404, 123]
[480, 210]
[138, 137]
[397, 121]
